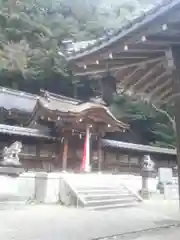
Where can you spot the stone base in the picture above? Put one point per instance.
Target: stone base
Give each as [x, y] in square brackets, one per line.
[145, 194]
[11, 163]
[11, 171]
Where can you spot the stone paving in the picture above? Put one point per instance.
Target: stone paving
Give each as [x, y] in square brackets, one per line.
[159, 234]
[49, 222]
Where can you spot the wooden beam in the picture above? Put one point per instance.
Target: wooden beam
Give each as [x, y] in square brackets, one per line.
[114, 62]
[65, 154]
[162, 96]
[129, 58]
[102, 70]
[129, 77]
[159, 88]
[155, 39]
[155, 81]
[140, 52]
[148, 73]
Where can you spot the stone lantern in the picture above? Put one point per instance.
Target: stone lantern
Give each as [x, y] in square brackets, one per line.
[147, 169]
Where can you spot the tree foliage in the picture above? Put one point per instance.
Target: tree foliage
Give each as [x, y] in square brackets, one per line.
[153, 125]
[32, 53]
[32, 31]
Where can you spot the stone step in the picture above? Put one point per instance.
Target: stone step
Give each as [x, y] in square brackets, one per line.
[88, 197]
[12, 205]
[102, 191]
[99, 188]
[11, 198]
[111, 206]
[99, 191]
[97, 185]
[103, 202]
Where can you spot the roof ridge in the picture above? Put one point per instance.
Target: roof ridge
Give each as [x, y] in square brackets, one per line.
[127, 24]
[18, 92]
[60, 97]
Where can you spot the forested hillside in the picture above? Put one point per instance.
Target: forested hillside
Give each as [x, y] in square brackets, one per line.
[32, 50]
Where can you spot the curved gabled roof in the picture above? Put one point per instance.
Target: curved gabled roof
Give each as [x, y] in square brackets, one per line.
[127, 27]
[136, 54]
[35, 105]
[53, 107]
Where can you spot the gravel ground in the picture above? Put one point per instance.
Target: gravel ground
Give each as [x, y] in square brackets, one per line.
[37, 222]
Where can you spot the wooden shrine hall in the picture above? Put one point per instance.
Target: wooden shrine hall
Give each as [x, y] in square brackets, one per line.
[63, 125]
[68, 117]
[143, 57]
[139, 55]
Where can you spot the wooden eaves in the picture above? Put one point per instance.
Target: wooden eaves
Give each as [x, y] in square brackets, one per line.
[136, 54]
[65, 113]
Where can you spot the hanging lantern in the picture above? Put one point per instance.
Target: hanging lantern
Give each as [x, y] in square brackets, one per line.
[164, 27]
[143, 38]
[125, 47]
[110, 56]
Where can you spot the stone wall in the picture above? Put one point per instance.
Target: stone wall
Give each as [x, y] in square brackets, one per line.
[129, 162]
[45, 187]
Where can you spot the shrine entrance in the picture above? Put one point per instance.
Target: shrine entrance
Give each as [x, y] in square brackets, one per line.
[77, 125]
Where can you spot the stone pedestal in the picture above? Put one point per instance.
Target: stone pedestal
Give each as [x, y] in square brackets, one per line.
[11, 171]
[40, 186]
[145, 191]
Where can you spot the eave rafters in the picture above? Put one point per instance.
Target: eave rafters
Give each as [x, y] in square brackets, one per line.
[163, 97]
[136, 55]
[148, 74]
[127, 79]
[160, 14]
[150, 85]
[159, 89]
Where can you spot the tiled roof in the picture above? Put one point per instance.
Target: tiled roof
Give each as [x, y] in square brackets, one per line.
[137, 147]
[15, 130]
[76, 108]
[25, 102]
[127, 26]
[13, 99]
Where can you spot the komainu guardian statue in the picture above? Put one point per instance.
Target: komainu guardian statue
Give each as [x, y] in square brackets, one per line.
[10, 155]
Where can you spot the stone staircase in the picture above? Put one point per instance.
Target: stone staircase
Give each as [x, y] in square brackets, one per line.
[99, 191]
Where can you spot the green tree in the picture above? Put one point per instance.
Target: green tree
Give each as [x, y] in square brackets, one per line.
[153, 124]
[27, 43]
[32, 31]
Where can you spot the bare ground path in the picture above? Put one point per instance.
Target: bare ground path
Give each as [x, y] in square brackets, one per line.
[37, 222]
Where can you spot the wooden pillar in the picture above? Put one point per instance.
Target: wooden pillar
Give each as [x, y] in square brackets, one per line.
[173, 57]
[65, 154]
[99, 154]
[101, 132]
[87, 163]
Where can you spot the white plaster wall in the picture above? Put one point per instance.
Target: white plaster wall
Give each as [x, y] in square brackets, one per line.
[17, 188]
[26, 185]
[52, 187]
[8, 187]
[46, 187]
[135, 182]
